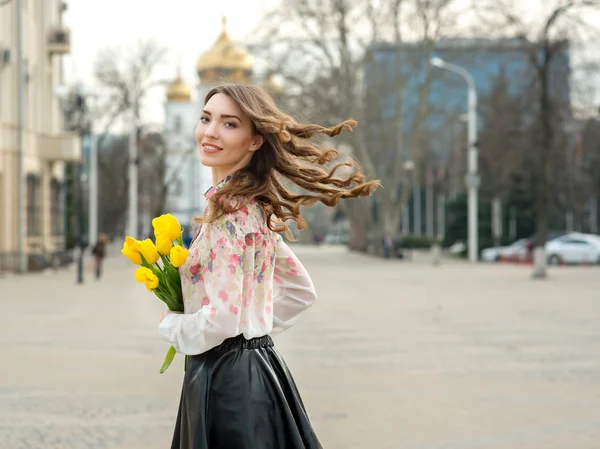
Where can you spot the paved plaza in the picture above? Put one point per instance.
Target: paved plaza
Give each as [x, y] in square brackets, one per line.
[394, 355]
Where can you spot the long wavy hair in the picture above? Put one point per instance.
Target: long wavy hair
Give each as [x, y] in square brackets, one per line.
[288, 152]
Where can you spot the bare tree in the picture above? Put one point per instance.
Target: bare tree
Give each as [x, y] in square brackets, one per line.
[152, 186]
[426, 22]
[320, 48]
[586, 166]
[563, 23]
[112, 190]
[502, 147]
[125, 77]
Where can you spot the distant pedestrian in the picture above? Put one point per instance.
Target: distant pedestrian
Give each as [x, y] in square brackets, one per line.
[530, 246]
[99, 252]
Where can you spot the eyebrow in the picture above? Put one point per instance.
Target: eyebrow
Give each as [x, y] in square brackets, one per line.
[222, 115]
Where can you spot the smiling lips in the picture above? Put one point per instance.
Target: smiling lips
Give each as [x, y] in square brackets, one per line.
[210, 148]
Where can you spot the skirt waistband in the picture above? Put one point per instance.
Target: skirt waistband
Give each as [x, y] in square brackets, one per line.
[241, 342]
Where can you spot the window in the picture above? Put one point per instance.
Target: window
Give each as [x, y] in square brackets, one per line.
[576, 242]
[34, 206]
[57, 208]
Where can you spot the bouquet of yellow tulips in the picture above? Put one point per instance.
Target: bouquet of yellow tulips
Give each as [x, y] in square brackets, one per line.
[159, 263]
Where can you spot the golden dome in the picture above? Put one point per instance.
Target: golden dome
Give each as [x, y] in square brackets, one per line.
[225, 55]
[178, 91]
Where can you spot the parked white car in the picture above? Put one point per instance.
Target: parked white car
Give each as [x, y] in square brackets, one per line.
[593, 238]
[516, 250]
[574, 248]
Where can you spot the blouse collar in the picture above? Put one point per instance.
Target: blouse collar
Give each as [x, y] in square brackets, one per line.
[214, 189]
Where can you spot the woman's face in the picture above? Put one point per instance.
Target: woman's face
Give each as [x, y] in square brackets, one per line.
[225, 137]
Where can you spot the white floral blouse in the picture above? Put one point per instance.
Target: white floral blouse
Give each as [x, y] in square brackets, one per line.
[239, 278]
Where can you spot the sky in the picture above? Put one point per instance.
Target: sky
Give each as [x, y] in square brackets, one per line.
[185, 27]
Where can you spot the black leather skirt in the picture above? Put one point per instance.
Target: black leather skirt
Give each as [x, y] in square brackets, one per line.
[240, 395]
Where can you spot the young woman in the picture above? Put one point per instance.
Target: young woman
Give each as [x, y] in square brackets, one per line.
[241, 282]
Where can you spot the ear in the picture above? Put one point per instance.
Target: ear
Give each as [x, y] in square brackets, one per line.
[257, 142]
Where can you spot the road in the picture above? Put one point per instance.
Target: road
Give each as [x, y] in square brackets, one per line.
[394, 355]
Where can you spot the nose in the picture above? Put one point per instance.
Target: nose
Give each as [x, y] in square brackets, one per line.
[211, 130]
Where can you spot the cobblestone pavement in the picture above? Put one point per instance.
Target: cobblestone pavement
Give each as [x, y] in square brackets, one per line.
[394, 355]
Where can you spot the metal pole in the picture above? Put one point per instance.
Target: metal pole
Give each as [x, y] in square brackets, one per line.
[594, 215]
[82, 242]
[93, 190]
[417, 227]
[22, 266]
[569, 221]
[512, 231]
[133, 173]
[429, 209]
[497, 220]
[473, 181]
[406, 221]
[441, 216]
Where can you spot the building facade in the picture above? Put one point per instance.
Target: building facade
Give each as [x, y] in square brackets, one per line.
[443, 142]
[46, 148]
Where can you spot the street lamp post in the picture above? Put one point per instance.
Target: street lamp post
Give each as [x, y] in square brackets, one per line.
[93, 190]
[408, 167]
[133, 175]
[22, 262]
[472, 179]
[83, 127]
[82, 240]
[77, 119]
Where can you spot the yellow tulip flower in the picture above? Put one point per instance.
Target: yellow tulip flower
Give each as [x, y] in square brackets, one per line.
[167, 226]
[178, 256]
[149, 251]
[131, 250]
[141, 274]
[146, 275]
[164, 245]
[152, 283]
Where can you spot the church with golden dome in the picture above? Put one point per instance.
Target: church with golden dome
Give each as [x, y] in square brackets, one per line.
[187, 179]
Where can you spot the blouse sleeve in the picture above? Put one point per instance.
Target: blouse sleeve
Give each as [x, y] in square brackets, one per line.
[296, 292]
[222, 254]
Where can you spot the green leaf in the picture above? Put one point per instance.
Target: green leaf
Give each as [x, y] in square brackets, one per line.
[168, 359]
[144, 262]
[173, 274]
[161, 276]
[157, 270]
[173, 297]
[165, 260]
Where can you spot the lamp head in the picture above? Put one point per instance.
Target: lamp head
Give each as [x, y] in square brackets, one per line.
[438, 62]
[409, 165]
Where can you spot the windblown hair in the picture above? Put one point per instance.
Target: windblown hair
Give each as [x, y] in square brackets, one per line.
[287, 152]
